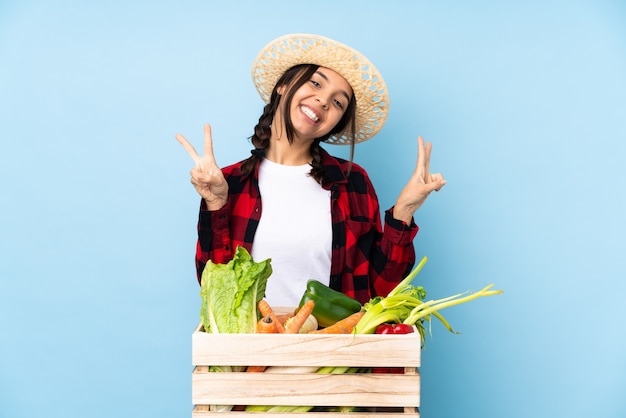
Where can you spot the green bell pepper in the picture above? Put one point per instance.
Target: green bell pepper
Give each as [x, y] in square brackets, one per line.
[330, 305]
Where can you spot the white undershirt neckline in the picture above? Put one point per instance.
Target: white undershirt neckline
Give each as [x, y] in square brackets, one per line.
[295, 231]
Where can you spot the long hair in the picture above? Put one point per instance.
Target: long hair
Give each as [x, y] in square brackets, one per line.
[293, 79]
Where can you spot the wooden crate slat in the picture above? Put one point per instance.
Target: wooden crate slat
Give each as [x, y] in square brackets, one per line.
[207, 414]
[305, 389]
[312, 350]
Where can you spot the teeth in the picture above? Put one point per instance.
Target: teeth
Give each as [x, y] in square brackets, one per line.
[310, 113]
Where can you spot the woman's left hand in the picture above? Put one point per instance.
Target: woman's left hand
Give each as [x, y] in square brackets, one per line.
[419, 186]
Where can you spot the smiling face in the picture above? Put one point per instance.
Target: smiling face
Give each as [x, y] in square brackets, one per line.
[318, 105]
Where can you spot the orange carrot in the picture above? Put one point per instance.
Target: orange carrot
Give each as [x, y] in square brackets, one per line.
[265, 325]
[256, 369]
[294, 325]
[284, 317]
[344, 326]
[266, 310]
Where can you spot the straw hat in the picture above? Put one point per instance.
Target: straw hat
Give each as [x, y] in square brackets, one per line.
[368, 85]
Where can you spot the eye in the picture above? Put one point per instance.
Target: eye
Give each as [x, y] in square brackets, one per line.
[315, 83]
[338, 103]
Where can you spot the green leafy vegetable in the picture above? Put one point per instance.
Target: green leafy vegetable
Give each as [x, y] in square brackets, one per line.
[405, 304]
[230, 293]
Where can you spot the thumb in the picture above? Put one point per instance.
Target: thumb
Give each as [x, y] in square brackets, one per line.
[436, 183]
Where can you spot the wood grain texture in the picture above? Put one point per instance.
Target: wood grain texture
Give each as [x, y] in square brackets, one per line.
[385, 395]
[354, 350]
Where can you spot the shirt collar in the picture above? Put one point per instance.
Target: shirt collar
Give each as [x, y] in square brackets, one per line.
[334, 170]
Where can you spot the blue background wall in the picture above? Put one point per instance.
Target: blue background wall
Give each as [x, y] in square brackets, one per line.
[524, 102]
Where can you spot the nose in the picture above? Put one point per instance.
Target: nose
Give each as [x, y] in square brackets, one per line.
[322, 101]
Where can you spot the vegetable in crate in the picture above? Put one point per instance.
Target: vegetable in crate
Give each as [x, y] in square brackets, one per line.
[405, 305]
[386, 329]
[343, 326]
[394, 329]
[230, 293]
[330, 305]
[296, 322]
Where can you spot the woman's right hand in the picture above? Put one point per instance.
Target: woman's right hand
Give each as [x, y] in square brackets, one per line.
[206, 176]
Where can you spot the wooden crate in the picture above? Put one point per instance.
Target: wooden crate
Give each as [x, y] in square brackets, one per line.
[380, 394]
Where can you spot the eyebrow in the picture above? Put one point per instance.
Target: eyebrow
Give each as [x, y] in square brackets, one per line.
[345, 93]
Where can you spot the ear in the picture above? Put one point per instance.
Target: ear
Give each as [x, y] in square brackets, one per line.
[281, 90]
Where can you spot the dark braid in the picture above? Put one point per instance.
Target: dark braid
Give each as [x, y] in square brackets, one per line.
[317, 170]
[261, 137]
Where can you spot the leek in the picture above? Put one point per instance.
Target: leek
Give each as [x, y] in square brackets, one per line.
[405, 304]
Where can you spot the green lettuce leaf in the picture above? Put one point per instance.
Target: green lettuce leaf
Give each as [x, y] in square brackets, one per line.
[230, 293]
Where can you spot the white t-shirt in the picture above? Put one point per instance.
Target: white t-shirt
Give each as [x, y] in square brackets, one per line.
[295, 231]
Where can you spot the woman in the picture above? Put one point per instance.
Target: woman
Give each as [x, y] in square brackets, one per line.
[315, 216]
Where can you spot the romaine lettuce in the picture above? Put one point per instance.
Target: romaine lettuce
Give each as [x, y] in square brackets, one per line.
[230, 293]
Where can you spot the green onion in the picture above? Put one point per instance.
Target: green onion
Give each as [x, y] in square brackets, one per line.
[405, 304]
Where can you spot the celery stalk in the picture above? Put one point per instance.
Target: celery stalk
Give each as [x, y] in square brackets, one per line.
[277, 408]
[405, 304]
[408, 279]
[447, 302]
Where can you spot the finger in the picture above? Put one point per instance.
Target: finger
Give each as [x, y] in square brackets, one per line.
[208, 142]
[199, 175]
[438, 181]
[420, 155]
[188, 147]
[427, 151]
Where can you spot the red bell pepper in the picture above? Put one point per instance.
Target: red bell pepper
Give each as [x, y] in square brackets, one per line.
[392, 329]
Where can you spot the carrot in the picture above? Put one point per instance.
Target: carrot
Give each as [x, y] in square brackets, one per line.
[295, 323]
[266, 310]
[284, 317]
[256, 369]
[344, 326]
[265, 325]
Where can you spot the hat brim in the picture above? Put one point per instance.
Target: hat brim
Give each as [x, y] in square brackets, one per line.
[367, 83]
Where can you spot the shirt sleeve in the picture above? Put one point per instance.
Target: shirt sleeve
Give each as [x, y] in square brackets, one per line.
[397, 231]
[395, 257]
[213, 237]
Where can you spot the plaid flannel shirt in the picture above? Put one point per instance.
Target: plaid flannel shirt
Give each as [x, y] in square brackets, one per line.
[366, 260]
